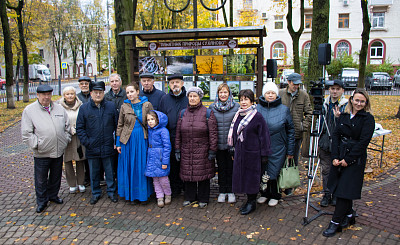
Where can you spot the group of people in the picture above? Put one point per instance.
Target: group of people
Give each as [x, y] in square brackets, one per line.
[143, 140]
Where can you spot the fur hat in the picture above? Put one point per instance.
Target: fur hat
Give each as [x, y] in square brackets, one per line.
[270, 86]
[197, 90]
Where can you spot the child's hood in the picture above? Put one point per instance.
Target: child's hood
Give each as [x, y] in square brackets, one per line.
[162, 118]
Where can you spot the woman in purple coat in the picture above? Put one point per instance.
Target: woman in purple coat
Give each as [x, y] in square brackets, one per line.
[196, 146]
[249, 135]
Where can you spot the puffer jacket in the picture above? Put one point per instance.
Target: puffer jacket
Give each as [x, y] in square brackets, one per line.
[46, 134]
[281, 130]
[159, 149]
[224, 120]
[95, 128]
[195, 137]
[300, 109]
[71, 152]
[118, 99]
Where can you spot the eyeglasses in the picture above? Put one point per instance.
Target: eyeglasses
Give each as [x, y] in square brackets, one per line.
[361, 102]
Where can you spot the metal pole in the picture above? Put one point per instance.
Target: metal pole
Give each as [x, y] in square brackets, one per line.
[108, 40]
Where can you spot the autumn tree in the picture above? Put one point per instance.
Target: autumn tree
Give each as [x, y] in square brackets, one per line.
[295, 35]
[364, 43]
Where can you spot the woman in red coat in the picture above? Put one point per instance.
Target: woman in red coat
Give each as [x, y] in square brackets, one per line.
[249, 135]
[195, 147]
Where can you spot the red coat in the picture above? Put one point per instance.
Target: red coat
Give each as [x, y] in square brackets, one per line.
[195, 137]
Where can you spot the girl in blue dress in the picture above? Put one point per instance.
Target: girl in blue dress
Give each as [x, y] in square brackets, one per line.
[132, 143]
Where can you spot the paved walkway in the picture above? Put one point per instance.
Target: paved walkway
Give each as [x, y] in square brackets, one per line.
[78, 222]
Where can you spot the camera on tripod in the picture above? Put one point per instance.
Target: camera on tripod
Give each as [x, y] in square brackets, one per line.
[317, 91]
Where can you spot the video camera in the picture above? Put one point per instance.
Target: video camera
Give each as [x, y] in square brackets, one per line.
[317, 91]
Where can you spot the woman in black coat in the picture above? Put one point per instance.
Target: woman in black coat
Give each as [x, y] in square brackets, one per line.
[350, 140]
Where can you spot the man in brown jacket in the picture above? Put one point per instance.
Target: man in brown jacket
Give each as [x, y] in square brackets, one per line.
[299, 104]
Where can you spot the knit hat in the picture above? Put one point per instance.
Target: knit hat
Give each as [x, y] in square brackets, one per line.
[270, 86]
[197, 90]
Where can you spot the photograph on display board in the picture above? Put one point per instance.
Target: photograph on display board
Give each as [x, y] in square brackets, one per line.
[214, 88]
[241, 64]
[179, 64]
[234, 86]
[152, 64]
[210, 64]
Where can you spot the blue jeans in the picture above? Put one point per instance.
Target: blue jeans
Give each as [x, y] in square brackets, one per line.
[48, 173]
[94, 165]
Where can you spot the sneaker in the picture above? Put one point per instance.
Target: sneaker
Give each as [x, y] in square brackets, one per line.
[73, 190]
[262, 199]
[167, 200]
[160, 202]
[221, 197]
[325, 200]
[231, 198]
[202, 204]
[288, 192]
[273, 202]
[82, 188]
[186, 203]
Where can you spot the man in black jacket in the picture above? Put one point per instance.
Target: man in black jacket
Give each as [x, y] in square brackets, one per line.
[84, 83]
[171, 104]
[153, 95]
[116, 93]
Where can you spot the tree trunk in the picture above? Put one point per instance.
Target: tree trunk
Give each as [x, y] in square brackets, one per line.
[319, 34]
[364, 44]
[398, 113]
[8, 55]
[120, 41]
[295, 34]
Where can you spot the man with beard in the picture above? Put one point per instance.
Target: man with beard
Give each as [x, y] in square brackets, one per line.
[84, 83]
[171, 104]
[153, 95]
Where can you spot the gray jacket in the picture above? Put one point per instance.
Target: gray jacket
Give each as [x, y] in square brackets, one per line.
[224, 120]
[46, 134]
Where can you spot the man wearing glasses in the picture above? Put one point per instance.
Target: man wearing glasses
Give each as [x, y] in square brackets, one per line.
[149, 90]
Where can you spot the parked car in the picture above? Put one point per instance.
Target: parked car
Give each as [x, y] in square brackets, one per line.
[396, 79]
[349, 77]
[283, 79]
[2, 83]
[378, 80]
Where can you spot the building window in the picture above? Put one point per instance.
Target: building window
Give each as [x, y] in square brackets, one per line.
[378, 20]
[88, 55]
[376, 50]
[306, 49]
[308, 21]
[41, 53]
[65, 53]
[344, 21]
[278, 51]
[278, 22]
[343, 49]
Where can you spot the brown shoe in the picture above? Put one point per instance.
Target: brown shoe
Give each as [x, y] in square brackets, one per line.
[167, 200]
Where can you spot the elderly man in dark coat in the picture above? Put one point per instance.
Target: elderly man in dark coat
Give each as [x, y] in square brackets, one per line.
[153, 95]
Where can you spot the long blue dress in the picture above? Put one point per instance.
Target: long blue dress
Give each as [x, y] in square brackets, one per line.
[132, 183]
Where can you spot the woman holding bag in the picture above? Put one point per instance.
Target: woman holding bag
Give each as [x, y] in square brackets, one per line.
[249, 137]
[281, 131]
[350, 140]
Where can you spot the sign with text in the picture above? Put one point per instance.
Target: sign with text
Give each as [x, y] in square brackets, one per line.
[203, 44]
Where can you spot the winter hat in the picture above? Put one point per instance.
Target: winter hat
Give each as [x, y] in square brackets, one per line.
[197, 90]
[270, 86]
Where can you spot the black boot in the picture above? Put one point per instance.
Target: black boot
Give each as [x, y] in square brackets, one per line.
[332, 229]
[249, 207]
[333, 202]
[348, 221]
[326, 200]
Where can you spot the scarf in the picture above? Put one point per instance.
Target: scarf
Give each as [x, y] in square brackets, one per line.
[224, 106]
[249, 113]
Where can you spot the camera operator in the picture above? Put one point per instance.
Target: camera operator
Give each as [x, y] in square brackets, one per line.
[333, 105]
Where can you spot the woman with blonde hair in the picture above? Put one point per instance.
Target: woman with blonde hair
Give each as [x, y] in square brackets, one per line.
[350, 140]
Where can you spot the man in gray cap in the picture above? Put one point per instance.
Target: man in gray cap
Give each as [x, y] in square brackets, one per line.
[153, 95]
[299, 104]
[95, 127]
[45, 128]
[333, 105]
[84, 83]
[171, 104]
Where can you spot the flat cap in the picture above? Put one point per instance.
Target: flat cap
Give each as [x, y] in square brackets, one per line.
[147, 75]
[295, 78]
[85, 78]
[175, 76]
[338, 82]
[44, 88]
[97, 86]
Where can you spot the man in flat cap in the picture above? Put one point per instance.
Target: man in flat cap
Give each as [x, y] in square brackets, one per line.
[333, 106]
[153, 95]
[84, 83]
[299, 104]
[45, 128]
[171, 105]
[95, 127]
[116, 93]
